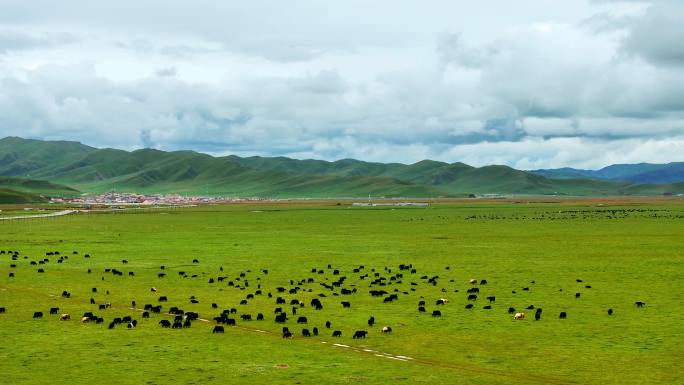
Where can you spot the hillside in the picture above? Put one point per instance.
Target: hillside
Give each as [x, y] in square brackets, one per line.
[8, 196]
[35, 187]
[152, 171]
[635, 173]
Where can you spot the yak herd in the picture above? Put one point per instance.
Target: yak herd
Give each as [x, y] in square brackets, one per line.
[324, 286]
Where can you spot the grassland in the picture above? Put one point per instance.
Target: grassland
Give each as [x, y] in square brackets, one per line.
[626, 251]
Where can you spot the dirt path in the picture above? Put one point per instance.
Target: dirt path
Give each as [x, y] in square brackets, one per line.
[55, 214]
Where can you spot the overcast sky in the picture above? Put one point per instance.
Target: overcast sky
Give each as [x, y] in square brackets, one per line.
[530, 84]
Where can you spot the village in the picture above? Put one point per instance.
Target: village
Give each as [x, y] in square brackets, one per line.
[114, 198]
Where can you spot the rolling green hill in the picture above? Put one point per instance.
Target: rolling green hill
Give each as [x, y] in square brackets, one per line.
[32, 186]
[152, 171]
[8, 196]
[635, 173]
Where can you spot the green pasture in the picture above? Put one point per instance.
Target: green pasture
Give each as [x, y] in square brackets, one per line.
[626, 253]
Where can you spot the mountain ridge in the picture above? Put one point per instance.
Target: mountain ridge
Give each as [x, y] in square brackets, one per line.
[90, 169]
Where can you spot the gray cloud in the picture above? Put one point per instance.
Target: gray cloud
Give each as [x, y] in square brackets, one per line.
[657, 35]
[11, 40]
[578, 87]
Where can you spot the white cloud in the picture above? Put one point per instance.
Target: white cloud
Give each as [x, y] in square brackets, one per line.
[576, 85]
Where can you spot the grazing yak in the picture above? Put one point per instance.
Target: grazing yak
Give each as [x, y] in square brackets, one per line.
[64, 317]
[519, 316]
[371, 321]
[640, 303]
[54, 310]
[610, 311]
[563, 315]
[337, 333]
[360, 334]
[217, 329]
[441, 301]
[38, 314]
[85, 319]
[386, 329]
[287, 334]
[436, 313]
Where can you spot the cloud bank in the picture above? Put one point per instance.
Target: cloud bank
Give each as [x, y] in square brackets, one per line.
[584, 84]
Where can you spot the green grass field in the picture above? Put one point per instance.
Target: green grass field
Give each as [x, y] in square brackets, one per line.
[626, 251]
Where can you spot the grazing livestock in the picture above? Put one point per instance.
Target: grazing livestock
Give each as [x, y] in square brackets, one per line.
[577, 295]
[287, 334]
[472, 297]
[640, 303]
[441, 301]
[146, 314]
[280, 318]
[469, 306]
[187, 323]
[436, 313]
[386, 329]
[421, 309]
[260, 317]
[218, 329]
[371, 321]
[346, 304]
[177, 325]
[64, 317]
[246, 317]
[315, 331]
[563, 315]
[360, 334]
[165, 323]
[610, 311]
[328, 324]
[163, 299]
[511, 310]
[337, 333]
[473, 281]
[301, 320]
[111, 325]
[306, 333]
[491, 299]
[85, 319]
[2, 310]
[38, 314]
[537, 316]
[54, 310]
[519, 316]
